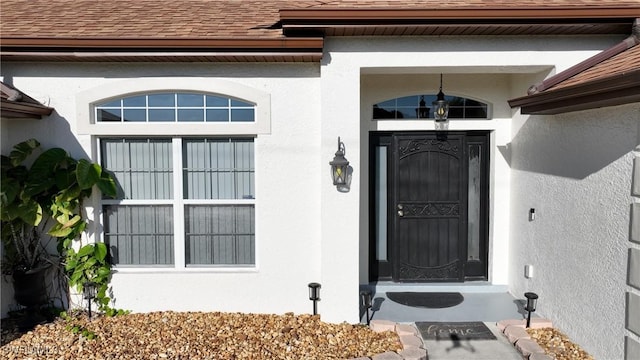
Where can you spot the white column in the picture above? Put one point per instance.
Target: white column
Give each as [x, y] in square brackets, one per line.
[340, 216]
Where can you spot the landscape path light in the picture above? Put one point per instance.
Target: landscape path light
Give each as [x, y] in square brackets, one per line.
[366, 302]
[532, 300]
[314, 295]
[89, 293]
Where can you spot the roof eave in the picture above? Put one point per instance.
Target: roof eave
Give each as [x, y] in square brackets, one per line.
[618, 89]
[459, 21]
[21, 110]
[459, 13]
[147, 49]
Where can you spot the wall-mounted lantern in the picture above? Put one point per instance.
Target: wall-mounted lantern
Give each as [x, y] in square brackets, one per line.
[314, 295]
[339, 166]
[441, 110]
[89, 293]
[532, 300]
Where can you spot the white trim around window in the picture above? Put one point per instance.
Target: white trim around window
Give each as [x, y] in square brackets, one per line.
[86, 100]
[86, 125]
[174, 201]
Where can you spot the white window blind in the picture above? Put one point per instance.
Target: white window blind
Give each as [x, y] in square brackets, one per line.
[216, 208]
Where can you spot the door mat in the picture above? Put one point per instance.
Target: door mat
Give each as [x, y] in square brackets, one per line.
[431, 300]
[474, 330]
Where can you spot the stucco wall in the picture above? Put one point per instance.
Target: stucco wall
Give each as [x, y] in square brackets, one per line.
[288, 172]
[306, 230]
[491, 69]
[575, 170]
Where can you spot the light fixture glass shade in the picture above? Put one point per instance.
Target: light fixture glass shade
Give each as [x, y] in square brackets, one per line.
[314, 291]
[89, 290]
[339, 166]
[366, 298]
[441, 110]
[532, 299]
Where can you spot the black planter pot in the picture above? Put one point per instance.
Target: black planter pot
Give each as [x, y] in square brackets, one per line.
[29, 287]
[30, 290]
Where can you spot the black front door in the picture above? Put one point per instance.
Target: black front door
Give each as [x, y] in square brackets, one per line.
[433, 198]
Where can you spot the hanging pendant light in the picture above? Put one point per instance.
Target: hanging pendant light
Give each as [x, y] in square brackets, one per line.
[441, 110]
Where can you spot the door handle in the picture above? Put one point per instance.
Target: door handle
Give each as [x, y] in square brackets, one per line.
[400, 213]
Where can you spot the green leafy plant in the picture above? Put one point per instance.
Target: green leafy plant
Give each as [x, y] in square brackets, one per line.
[89, 264]
[42, 202]
[73, 325]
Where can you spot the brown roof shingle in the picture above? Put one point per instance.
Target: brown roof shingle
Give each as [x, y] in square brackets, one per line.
[141, 18]
[619, 64]
[211, 18]
[609, 78]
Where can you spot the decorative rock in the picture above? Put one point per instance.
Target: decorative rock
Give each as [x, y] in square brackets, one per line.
[539, 323]
[502, 325]
[382, 325]
[515, 333]
[410, 341]
[389, 355]
[558, 345]
[528, 347]
[361, 358]
[414, 353]
[405, 329]
[191, 335]
[539, 356]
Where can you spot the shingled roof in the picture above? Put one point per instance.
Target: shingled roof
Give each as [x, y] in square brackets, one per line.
[257, 19]
[609, 78]
[275, 30]
[294, 31]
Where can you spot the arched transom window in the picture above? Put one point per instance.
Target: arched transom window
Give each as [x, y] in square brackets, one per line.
[419, 107]
[175, 107]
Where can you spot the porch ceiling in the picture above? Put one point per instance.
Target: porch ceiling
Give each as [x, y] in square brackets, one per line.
[420, 70]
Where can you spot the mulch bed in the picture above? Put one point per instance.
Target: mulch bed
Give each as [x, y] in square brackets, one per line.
[198, 335]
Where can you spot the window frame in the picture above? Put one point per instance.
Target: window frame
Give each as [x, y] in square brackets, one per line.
[88, 130]
[178, 204]
[87, 100]
[175, 109]
[396, 108]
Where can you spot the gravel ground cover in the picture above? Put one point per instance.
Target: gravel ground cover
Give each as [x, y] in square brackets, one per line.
[198, 335]
[558, 345]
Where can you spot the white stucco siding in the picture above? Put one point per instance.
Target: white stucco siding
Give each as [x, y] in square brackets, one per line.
[305, 229]
[488, 69]
[340, 213]
[575, 170]
[288, 173]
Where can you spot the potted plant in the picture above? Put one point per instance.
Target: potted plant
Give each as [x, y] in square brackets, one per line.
[41, 203]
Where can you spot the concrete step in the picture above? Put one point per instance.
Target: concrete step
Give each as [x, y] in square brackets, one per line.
[467, 287]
